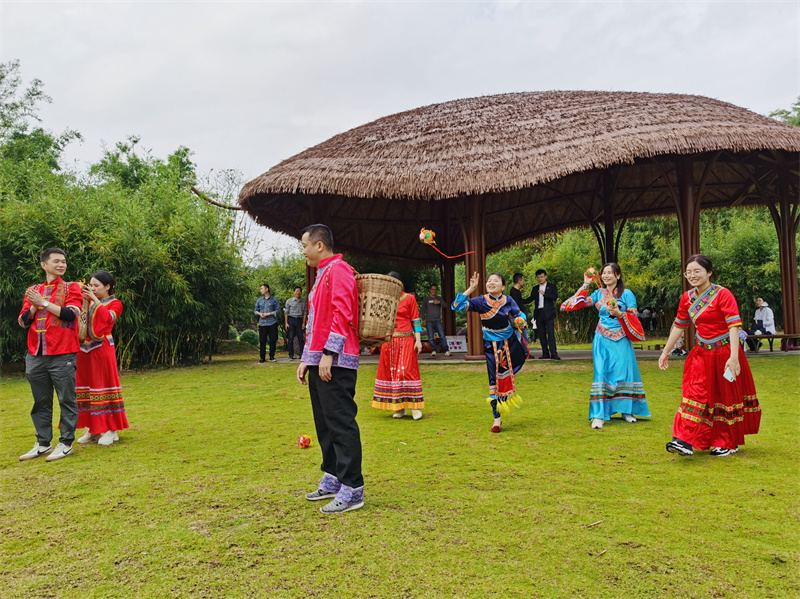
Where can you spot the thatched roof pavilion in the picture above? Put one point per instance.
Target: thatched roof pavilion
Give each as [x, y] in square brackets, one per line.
[486, 172]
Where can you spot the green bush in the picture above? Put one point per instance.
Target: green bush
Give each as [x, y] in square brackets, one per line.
[233, 334]
[249, 336]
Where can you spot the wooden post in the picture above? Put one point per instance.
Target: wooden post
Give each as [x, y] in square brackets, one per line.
[476, 241]
[448, 295]
[448, 275]
[688, 224]
[786, 221]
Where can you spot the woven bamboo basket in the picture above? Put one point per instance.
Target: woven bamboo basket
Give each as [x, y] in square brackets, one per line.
[378, 297]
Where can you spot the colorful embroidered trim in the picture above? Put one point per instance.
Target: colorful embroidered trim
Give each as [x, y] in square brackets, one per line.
[714, 343]
[699, 304]
[613, 334]
[495, 304]
[698, 412]
[604, 392]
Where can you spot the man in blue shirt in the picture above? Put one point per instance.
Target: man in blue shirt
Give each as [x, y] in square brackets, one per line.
[267, 309]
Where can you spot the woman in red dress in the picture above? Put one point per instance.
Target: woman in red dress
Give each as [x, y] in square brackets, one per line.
[397, 385]
[100, 406]
[719, 405]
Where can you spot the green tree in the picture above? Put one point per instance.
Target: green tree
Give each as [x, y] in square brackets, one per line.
[790, 117]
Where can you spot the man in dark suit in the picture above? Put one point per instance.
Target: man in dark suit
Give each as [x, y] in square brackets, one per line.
[545, 315]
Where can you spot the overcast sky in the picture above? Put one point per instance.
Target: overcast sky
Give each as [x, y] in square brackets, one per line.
[248, 84]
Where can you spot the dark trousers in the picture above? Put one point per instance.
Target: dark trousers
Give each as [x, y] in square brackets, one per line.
[271, 331]
[46, 374]
[546, 329]
[335, 412]
[436, 326]
[295, 330]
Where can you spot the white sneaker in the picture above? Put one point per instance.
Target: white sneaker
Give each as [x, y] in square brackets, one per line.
[447, 353]
[116, 436]
[107, 438]
[37, 451]
[629, 417]
[597, 422]
[433, 354]
[399, 414]
[88, 437]
[61, 451]
[416, 414]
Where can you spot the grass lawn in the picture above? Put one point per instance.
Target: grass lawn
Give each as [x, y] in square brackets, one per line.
[203, 496]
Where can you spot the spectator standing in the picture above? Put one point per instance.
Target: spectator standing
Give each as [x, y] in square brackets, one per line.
[432, 313]
[646, 318]
[49, 312]
[296, 313]
[267, 309]
[545, 315]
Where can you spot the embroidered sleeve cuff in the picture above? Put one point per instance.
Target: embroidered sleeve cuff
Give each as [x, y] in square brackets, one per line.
[682, 324]
[417, 325]
[335, 343]
[734, 321]
[460, 303]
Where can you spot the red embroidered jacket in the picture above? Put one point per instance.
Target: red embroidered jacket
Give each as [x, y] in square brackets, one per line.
[47, 331]
[333, 315]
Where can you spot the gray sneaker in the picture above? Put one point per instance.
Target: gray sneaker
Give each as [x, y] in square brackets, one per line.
[319, 494]
[37, 451]
[61, 451]
[340, 507]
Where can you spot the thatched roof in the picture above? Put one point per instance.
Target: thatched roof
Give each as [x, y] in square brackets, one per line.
[507, 148]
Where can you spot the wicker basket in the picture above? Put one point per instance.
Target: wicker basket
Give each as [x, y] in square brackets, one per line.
[378, 297]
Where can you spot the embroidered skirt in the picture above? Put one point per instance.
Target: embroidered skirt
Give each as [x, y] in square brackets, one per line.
[99, 394]
[503, 360]
[715, 412]
[397, 384]
[617, 386]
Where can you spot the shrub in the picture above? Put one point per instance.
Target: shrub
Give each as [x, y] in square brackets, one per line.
[249, 336]
[233, 334]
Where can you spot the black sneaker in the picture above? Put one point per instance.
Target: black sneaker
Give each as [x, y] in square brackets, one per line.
[272, 360]
[720, 452]
[679, 447]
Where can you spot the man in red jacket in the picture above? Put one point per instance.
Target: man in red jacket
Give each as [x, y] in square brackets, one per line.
[50, 312]
[330, 358]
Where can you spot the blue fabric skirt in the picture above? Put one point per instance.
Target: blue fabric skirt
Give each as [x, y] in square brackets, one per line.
[617, 386]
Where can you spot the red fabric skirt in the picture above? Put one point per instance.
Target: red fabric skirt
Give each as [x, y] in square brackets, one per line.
[715, 412]
[100, 405]
[398, 384]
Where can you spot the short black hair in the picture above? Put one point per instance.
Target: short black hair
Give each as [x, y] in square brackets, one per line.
[264, 285]
[317, 233]
[45, 255]
[541, 271]
[106, 278]
[297, 287]
[518, 276]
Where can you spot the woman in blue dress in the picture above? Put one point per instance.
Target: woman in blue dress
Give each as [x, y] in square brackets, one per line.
[504, 329]
[617, 387]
